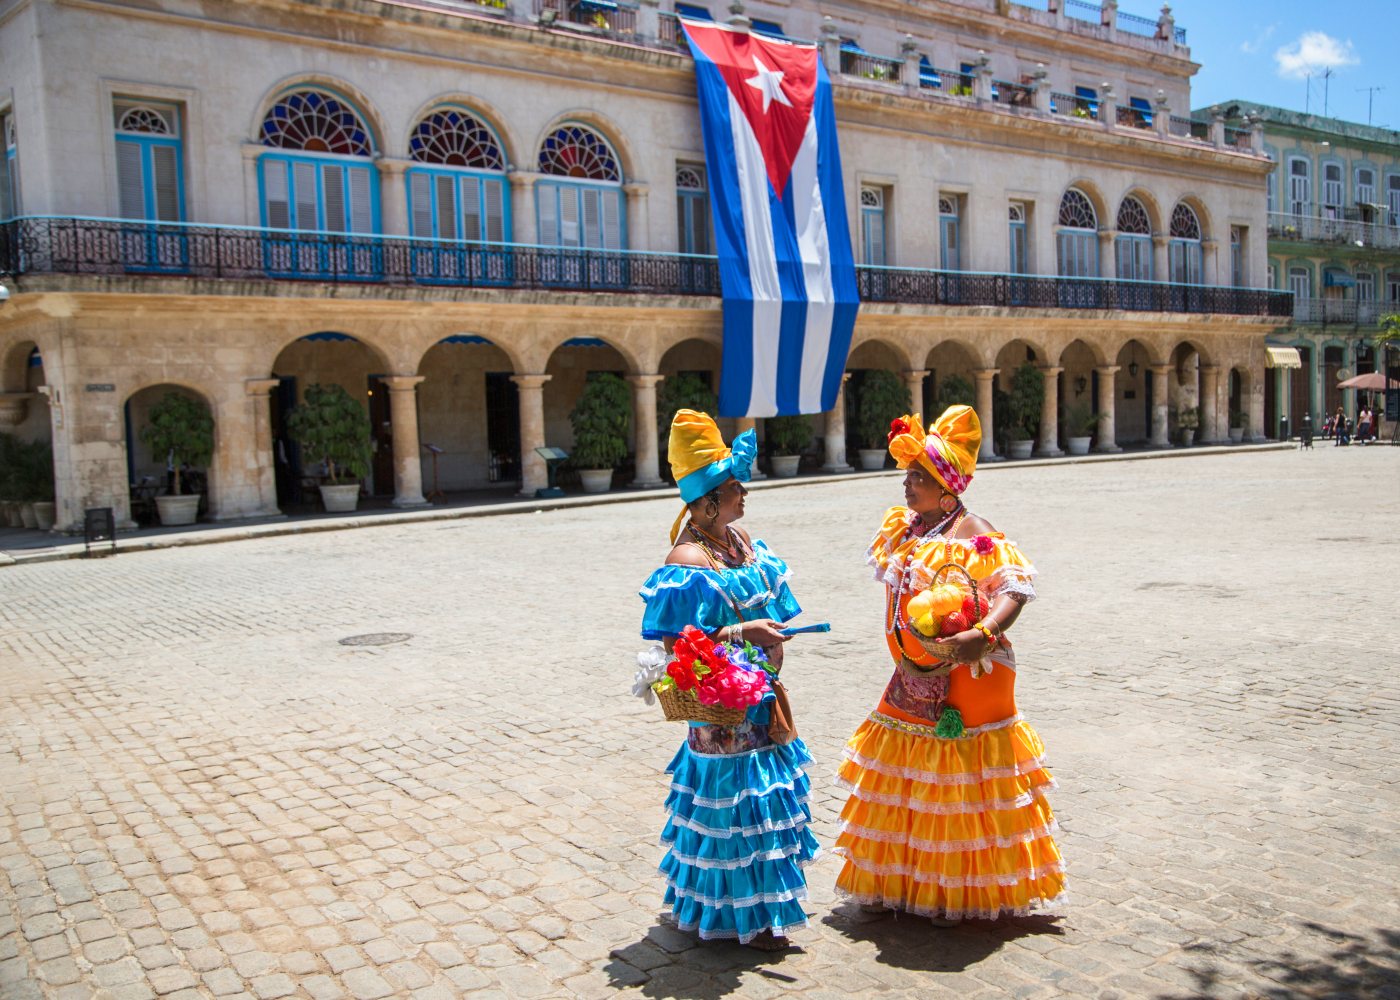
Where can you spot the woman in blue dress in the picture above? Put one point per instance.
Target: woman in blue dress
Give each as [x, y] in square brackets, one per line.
[736, 830]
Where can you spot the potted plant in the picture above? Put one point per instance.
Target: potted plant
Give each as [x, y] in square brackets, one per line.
[1238, 418]
[1026, 398]
[40, 462]
[882, 398]
[1080, 421]
[787, 437]
[332, 427]
[1188, 418]
[181, 431]
[956, 391]
[601, 419]
[10, 482]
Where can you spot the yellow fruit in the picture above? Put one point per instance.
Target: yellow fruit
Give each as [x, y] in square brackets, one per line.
[944, 599]
[927, 624]
[920, 604]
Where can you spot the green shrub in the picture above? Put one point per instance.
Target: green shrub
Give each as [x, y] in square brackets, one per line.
[601, 419]
[332, 427]
[180, 431]
[1027, 396]
[954, 390]
[880, 398]
[787, 435]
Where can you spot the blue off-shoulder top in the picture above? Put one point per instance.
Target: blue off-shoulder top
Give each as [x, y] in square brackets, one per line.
[677, 596]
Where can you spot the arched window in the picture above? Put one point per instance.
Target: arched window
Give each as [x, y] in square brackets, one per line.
[1133, 245]
[1019, 250]
[1185, 247]
[872, 226]
[1077, 239]
[584, 207]
[949, 233]
[1333, 191]
[319, 178]
[692, 209]
[150, 175]
[1299, 185]
[457, 188]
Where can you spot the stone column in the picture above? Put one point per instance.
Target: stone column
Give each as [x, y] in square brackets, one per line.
[534, 473]
[648, 20]
[637, 224]
[265, 474]
[742, 424]
[1161, 115]
[1210, 405]
[1108, 260]
[1108, 106]
[909, 67]
[1049, 444]
[834, 436]
[524, 226]
[985, 377]
[393, 197]
[914, 382]
[1161, 263]
[403, 417]
[1217, 129]
[1040, 89]
[830, 45]
[982, 78]
[1160, 394]
[1108, 392]
[644, 428]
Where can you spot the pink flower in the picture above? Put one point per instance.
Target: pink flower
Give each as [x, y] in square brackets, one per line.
[984, 545]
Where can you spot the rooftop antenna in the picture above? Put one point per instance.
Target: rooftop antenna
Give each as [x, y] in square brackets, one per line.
[1370, 99]
[1307, 97]
[1327, 75]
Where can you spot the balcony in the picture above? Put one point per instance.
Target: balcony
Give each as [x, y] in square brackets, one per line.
[38, 245]
[1317, 229]
[1341, 312]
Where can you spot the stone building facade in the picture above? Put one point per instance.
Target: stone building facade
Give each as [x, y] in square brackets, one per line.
[459, 210]
[1334, 242]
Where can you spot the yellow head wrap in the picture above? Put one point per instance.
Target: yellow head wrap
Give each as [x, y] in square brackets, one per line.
[700, 460]
[948, 450]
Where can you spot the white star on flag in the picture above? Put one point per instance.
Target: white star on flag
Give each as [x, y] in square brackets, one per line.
[770, 82]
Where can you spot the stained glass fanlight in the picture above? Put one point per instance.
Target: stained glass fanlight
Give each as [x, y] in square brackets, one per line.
[575, 151]
[316, 122]
[455, 138]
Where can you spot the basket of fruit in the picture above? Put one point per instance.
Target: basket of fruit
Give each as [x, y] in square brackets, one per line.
[946, 608]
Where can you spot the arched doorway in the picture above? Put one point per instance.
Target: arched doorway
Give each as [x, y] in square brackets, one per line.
[152, 474]
[1136, 394]
[570, 367]
[868, 356]
[690, 371]
[1079, 393]
[950, 380]
[1012, 356]
[329, 357]
[1184, 392]
[24, 409]
[468, 416]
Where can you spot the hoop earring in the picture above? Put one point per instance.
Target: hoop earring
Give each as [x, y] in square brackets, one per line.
[711, 510]
[947, 503]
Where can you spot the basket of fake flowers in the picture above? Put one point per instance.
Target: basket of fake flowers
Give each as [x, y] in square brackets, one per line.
[949, 606]
[703, 680]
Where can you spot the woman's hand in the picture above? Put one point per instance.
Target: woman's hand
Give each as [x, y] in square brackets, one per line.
[968, 647]
[763, 632]
[775, 656]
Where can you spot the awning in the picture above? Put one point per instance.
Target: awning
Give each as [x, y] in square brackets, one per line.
[1282, 357]
[1338, 279]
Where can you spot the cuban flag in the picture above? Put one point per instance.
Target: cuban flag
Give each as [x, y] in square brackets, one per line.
[785, 262]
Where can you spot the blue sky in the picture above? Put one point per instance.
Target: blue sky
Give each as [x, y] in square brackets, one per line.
[1258, 50]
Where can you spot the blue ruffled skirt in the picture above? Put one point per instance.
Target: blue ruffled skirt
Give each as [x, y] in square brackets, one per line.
[738, 839]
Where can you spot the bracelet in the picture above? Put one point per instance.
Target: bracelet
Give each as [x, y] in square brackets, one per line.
[986, 632]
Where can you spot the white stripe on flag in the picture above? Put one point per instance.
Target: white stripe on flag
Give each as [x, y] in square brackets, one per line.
[763, 263]
[810, 215]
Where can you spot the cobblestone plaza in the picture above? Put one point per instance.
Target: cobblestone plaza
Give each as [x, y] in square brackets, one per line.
[203, 793]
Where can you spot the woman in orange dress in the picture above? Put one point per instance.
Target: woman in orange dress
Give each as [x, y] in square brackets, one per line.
[947, 815]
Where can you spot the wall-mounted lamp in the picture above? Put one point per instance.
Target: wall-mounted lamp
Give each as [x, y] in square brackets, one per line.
[1080, 384]
[1132, 369]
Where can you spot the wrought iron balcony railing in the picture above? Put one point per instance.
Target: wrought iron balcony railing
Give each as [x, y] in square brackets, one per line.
[116, 247]
[1321, 229]
[1340, 312]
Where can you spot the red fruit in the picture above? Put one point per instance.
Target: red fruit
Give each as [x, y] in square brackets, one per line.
[953, 624]
[970, 609]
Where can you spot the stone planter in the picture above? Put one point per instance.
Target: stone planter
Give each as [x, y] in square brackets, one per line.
[340, 499]
[178, 510]
[785, 466]
[1236, 435]
[1187, 436]
[26, 516]
[1078, 445]
[1019, 449]
[596, 480]
[872, 459]
[44, 513]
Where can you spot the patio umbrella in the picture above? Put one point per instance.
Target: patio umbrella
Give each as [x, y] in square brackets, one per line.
[1374, 381]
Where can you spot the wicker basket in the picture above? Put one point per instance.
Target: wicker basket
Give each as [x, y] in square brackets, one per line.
[939, 648]
[684, 706]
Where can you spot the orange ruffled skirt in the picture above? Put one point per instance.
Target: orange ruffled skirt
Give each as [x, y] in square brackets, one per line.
[954, 828]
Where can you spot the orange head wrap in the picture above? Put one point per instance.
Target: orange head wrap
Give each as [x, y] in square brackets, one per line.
[948, 450]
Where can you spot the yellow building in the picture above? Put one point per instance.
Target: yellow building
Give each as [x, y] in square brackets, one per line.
[459, 210]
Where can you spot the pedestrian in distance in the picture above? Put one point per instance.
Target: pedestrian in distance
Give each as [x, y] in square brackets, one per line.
[947, 816]
[737, 827]
[1363, 425]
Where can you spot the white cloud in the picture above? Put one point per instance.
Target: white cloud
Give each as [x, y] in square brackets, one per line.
[1251, 47]
[1313, 51]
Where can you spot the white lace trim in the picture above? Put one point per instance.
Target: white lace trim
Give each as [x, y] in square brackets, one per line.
[1010, 580]
[948, 808]
[729, 934]
[902, 838]
[899, 725]
[743, 902]
[767, 826]
[729, 864]
[1048, 906]
[766, 748]
[708, 803]
[936, 778]
[1031, 874]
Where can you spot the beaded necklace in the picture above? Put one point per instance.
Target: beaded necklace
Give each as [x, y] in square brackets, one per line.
[710, 545]
[894, 617]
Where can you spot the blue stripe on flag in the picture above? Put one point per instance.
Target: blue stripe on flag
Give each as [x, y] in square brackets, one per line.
[793, 328]
[838, 236]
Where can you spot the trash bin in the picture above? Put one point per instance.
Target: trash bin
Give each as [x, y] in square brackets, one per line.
[1305, 431]
[1283, 434]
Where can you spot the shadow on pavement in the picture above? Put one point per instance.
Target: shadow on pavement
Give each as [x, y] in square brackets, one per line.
[669, 963]
[912, 943]
[1349, 965]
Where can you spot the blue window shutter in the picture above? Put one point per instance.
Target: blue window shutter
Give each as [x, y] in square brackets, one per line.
[494, 210]
[277, 202]
[131, 180]
[420, 196]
